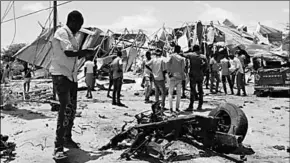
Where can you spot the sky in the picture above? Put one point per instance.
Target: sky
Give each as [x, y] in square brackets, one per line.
[147, 15]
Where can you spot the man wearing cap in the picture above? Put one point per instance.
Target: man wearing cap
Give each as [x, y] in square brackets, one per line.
[159, 72]
[64, 76]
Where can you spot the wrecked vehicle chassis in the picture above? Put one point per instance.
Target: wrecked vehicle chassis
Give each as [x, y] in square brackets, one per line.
[222, 131]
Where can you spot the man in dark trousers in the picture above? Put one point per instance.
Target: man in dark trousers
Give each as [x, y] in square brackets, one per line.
[117, 71]
[159, 73]
[197, 66]
[64, 76]
[110, 79]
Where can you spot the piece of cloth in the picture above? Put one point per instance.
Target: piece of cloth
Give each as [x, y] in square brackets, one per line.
[117, 82]
[193, 95]
[89, 80]
[67, 94]
[196, 66]
[158, 68]
[27, 80]
[225, 64]
[210, 35]
[176, 66]
[215, 65]
[174, 83]
[148, 87]
[89, 65]
[147, 72]
[160, 88]
[117, 68]
[61, 64]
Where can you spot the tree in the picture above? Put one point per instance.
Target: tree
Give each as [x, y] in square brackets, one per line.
[10, 51]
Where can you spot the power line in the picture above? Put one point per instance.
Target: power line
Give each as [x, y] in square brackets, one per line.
[34, 12]
[14, 23]
[8, 8]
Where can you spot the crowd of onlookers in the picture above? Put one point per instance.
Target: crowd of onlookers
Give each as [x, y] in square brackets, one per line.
[195, 65]
[201, 69]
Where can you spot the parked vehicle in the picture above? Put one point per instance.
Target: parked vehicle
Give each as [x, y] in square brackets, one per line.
[272, 73]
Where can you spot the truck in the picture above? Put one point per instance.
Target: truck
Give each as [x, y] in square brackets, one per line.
[272, 73]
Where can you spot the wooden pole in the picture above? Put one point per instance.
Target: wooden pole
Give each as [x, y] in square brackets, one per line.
[54, 29]
[54, 15]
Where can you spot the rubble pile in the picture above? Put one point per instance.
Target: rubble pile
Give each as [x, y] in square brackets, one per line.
[155, 132]
[6, 149]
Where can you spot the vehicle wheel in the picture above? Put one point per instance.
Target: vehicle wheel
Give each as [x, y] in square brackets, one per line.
[234, 120]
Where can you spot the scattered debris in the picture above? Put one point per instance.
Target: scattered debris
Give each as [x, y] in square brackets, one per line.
[19, 132]
[288, 149]
[102, 116]
[40, 145]
[277, 108]
[126, 114]
[279, 147]
[153, 130]
[8, 107]
[6, 148]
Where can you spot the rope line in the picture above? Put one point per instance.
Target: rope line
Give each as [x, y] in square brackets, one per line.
[31, 13]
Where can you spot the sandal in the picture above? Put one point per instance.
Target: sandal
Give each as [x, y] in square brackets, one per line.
[59, 156]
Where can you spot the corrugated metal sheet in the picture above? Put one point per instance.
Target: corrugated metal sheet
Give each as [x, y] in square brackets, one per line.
[38, 52]
[229, 23]
[272, 33]
[233, 36]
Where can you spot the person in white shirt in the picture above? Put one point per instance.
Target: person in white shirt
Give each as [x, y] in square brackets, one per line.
[225, 64]
[148, 76]
[159, 73]
[89, 74]
[233, 61]
[176, 65]
[63, 69]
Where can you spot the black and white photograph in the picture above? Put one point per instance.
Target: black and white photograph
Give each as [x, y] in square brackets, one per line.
[145, 82]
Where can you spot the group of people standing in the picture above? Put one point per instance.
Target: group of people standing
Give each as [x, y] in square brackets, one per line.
[64, 70]
[229, 67]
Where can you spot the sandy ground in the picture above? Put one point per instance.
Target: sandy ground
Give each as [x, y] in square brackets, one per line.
[35, 123]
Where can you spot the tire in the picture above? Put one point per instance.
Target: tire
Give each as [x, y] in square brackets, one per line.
[238, 120]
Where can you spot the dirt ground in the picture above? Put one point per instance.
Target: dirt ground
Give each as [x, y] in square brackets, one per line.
[33, 123]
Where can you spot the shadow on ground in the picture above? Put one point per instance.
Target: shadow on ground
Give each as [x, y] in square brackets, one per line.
[150, 159]
[25, 114]
[210, 153]
[82, 156]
